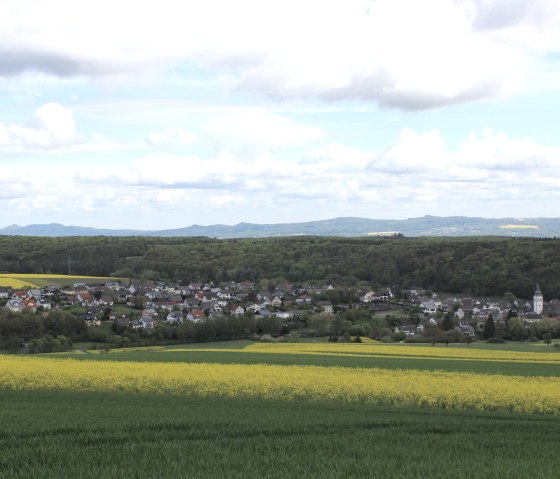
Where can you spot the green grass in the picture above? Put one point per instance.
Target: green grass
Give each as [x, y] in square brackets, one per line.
[55, 434]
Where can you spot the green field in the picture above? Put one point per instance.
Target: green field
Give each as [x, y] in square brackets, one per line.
[54, 433]
[45, 435]
[212, 353]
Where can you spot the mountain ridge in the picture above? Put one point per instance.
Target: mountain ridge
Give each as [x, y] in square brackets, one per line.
[341, 226]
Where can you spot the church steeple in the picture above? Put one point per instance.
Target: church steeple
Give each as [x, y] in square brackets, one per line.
[538, 300]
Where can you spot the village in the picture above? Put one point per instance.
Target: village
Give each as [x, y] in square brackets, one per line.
[410, 314]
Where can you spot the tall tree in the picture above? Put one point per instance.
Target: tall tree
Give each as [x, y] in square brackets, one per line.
[489, 328]
[447, 324]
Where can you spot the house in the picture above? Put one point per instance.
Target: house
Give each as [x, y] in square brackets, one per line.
[264, 296]
[327, 307]
[368, 297]
[92, 320]
[29, 305]
[252, 307]
[276, 302]
[410, 330]
[532, 317]
[34, 294]
[146, 322]
[153, 295]
[43, 303]
[19, 295]
[14, 305]
[106, 300]
[196, 315]
[85, 299]
[460, 314]
[465, 328]
[174, 317]
[237, 310]
[143, 323]
[428, 306]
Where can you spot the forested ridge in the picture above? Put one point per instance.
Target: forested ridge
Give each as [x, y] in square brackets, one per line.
[482, 265]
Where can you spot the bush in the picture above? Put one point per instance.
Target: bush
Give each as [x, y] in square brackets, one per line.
[399, 336]
[496, 341]
[415, 339]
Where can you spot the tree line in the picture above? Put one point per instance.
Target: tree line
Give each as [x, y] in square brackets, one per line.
[479, 266]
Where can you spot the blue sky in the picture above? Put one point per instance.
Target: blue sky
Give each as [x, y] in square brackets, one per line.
[164, 114]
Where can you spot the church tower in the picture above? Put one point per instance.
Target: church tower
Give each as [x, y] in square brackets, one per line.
[538, 301]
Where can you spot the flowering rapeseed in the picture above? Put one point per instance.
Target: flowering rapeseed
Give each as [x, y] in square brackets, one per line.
[315, 383]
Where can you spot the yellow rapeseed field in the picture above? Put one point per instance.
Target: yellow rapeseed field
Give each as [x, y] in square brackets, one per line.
[315, 383]
[15, 283]
[395, 351]
[21, 280]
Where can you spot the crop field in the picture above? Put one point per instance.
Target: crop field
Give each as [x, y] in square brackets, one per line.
[148, 412]
[18, 281]
[493, 359]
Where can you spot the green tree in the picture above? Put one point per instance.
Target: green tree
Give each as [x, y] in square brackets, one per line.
[447, 323]
[489, 328]
[516, 330]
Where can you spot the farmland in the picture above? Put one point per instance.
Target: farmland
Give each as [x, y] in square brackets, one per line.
[157, 411]
[18, 281]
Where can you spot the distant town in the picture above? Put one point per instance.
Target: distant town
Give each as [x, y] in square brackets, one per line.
[137, 310]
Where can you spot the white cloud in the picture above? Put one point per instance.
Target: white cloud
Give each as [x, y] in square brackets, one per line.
[413, 153]
[496, 151]
[419, 172]
[399, 53]
[51, 126]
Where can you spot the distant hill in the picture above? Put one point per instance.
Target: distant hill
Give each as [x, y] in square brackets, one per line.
[349, 227]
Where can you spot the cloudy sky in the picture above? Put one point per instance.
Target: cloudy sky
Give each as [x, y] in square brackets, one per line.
[164, 114]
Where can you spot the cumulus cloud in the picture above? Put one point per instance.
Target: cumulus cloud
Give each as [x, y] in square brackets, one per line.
[399, 53]
[418, 172]
[51, 126]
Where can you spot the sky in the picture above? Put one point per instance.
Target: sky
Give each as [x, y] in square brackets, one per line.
[154, 115]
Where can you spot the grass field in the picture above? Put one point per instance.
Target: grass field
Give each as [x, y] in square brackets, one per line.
[152, 412]
[18, 281]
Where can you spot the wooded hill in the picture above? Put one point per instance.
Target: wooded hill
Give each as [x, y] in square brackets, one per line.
[480, 265]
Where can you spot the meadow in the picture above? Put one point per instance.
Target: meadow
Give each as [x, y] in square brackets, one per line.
[147, 412]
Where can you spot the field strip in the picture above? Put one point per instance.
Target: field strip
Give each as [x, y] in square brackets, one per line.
[450, 390]
[15, 283]
[404, 351]
[358, 355]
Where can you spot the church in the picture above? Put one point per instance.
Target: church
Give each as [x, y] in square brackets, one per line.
[538, 301]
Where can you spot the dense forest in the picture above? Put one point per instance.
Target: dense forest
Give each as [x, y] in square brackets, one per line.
[483, 265]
